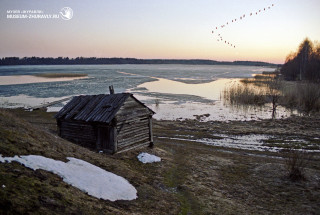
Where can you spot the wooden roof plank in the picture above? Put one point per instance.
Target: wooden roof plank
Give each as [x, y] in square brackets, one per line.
[116, 101]
[78, 107]
[98, 110]
[95, 108]
[111, 116]
[89, 108]
[67, 107]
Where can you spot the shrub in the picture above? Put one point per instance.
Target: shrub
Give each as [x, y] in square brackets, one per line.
[296, 162]
[309, 97]
[157, 102]
[290, 98]
[303, 96]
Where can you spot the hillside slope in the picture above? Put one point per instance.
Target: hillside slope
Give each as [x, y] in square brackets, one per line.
[26, 191]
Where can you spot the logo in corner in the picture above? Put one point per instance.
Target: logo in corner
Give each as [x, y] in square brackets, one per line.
[66, 13]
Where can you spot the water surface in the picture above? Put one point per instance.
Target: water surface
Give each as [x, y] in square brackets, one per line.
[172, 91]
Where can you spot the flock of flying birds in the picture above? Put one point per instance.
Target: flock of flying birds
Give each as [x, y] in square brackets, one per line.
[219, 35]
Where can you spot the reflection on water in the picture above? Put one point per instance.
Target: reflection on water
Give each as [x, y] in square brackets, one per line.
[29, 79]
[209, 90]
[213, 109]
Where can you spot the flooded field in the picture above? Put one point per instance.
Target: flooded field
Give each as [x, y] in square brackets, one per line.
[172, 91]
[255, 142]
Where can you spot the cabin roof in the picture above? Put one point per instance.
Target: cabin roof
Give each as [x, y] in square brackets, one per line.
[95, 108]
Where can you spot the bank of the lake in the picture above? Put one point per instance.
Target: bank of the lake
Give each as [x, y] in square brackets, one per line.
[192, 177]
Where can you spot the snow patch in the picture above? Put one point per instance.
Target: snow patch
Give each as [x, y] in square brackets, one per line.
[148, 158]
[81, 174]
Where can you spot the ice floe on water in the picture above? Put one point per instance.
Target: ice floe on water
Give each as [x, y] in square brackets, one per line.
[27, 102]
[148, 158]
[81, 174]
[29, 79]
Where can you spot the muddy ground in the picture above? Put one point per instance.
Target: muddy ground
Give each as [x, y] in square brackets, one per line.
[192, 178]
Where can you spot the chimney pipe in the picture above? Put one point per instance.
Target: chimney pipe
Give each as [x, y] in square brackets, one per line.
[111, 89]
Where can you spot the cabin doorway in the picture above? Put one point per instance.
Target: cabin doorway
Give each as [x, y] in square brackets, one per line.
[105, 140]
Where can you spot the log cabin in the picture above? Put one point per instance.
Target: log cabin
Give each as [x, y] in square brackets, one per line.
[108, 122]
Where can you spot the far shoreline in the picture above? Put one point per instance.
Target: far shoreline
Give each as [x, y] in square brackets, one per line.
[15, 61]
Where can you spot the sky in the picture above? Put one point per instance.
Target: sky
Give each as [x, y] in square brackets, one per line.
[166, 29]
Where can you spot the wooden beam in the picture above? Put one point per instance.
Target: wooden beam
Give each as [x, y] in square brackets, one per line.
[141, 145]
[115, 140]
[150, 132]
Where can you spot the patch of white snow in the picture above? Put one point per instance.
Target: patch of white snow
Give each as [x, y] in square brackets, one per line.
[83, 175]
[147, 158]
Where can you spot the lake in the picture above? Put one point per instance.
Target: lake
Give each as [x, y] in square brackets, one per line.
[172, 91]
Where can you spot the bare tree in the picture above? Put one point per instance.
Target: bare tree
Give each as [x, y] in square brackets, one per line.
[274, 92]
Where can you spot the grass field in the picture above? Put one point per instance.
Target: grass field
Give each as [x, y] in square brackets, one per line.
[192, 178]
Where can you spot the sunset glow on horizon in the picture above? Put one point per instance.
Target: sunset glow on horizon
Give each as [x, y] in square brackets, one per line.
[179, 29]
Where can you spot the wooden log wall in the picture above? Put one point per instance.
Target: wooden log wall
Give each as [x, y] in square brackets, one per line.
[77, 132]
[130, 110]
[132, 133]
[133, 125]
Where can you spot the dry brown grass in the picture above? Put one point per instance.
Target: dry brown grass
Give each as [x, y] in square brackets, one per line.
[262, 89]
[302, 96]
[244, 94]
[192, 178]
[258, 80]
[236, 182]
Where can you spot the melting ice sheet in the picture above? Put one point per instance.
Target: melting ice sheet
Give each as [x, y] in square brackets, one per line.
[28, 101]
[81, 174]
[213, 109]
[29, 79]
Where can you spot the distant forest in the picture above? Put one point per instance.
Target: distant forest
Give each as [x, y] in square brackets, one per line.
[92, 60]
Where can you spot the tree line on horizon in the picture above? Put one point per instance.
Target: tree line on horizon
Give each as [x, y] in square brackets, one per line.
[304, 64]
[5, 61]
